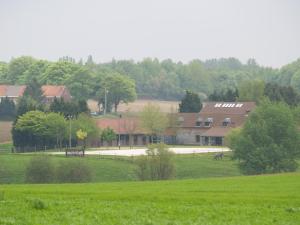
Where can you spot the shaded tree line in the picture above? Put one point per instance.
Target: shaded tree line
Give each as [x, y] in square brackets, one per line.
[150, 78]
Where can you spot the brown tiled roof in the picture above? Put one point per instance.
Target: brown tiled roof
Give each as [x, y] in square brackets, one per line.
[53, 91]
[17, 91]
[237, 113]
[12, 90]
[130, 125]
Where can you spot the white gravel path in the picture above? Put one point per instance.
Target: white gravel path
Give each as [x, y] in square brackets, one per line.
[135, 152]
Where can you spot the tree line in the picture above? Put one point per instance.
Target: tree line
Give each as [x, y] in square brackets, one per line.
[149, 78]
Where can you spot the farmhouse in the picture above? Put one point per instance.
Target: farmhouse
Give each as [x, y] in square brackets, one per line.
[213, 123]
[129, 129]
[50, 92]
[208, 127]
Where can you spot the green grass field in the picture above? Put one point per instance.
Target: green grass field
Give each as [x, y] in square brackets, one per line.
[109, 168]
[252, 200]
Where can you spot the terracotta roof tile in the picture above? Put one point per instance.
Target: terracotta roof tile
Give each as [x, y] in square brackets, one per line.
[52, 91]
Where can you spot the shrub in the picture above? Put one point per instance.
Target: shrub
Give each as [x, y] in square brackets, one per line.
[40, 169]
[38, 204]
[73, 171]
[157, 165]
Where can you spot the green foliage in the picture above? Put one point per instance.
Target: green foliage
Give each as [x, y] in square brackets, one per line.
[88, 125]
[74, 172]
[38, 204]
[34, 91]
[251, 90]
[40, 170]
[18, 67]
[108, 135]
[69, 108]
[269, 141]
[152, 78]
[153, 120]
[7, 108]
[157, 165]
[266, 200]
[190, 103]
[36, 129]
[119, 89]
[224, 96]
[278, 93]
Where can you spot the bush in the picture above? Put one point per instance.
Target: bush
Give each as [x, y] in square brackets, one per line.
[38, 204]
[74, 171]
[157, 165]
[40, 169]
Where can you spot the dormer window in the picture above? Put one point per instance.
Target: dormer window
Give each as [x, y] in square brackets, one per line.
[208, 122]
[226, 122]
[198, 122]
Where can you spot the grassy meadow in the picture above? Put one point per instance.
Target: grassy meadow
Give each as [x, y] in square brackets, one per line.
[111, 169]
[248, 200]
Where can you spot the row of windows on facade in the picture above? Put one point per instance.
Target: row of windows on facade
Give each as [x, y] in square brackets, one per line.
[207, 122]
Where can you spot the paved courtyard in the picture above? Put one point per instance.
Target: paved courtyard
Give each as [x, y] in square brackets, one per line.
[137, 151]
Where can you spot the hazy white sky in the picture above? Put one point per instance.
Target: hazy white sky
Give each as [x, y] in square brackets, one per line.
[267, 30]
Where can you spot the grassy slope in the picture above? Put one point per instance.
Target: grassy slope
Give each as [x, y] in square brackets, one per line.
[122, 169]
[262, 200]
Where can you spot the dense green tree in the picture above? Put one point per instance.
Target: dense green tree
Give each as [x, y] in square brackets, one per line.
[68, 108]
[7, 108]
[190, 103]
[251, 90]
[59, 72]
[224, 96]
[34, 91]
[269, 141]
[119, 89]
[17, 68]
[108, 135]
[3, 73]
[278, 93]
[80, 84]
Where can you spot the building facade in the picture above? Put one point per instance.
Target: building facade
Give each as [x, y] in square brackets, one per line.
[208, 127]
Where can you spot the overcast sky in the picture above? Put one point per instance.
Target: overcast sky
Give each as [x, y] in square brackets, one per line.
[267, 30]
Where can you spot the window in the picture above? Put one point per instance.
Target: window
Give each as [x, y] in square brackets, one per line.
[198, 123]
[226, 122]
[197, 138]
[208, 122]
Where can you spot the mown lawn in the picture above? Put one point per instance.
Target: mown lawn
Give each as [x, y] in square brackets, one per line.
[249, 200]
[110, 168]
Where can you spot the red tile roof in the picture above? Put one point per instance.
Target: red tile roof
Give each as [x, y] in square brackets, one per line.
[130, 125]
[12, 90]
[53, 91]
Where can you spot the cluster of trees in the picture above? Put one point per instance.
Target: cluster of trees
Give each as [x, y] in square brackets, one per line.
[257, 91]
[269, 141]
[36, 130]
[149, 78]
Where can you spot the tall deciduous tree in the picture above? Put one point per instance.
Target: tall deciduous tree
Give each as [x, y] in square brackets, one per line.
[153, 120]
[190, 103]
[269, 141]
[251, 90]
[119, 89]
